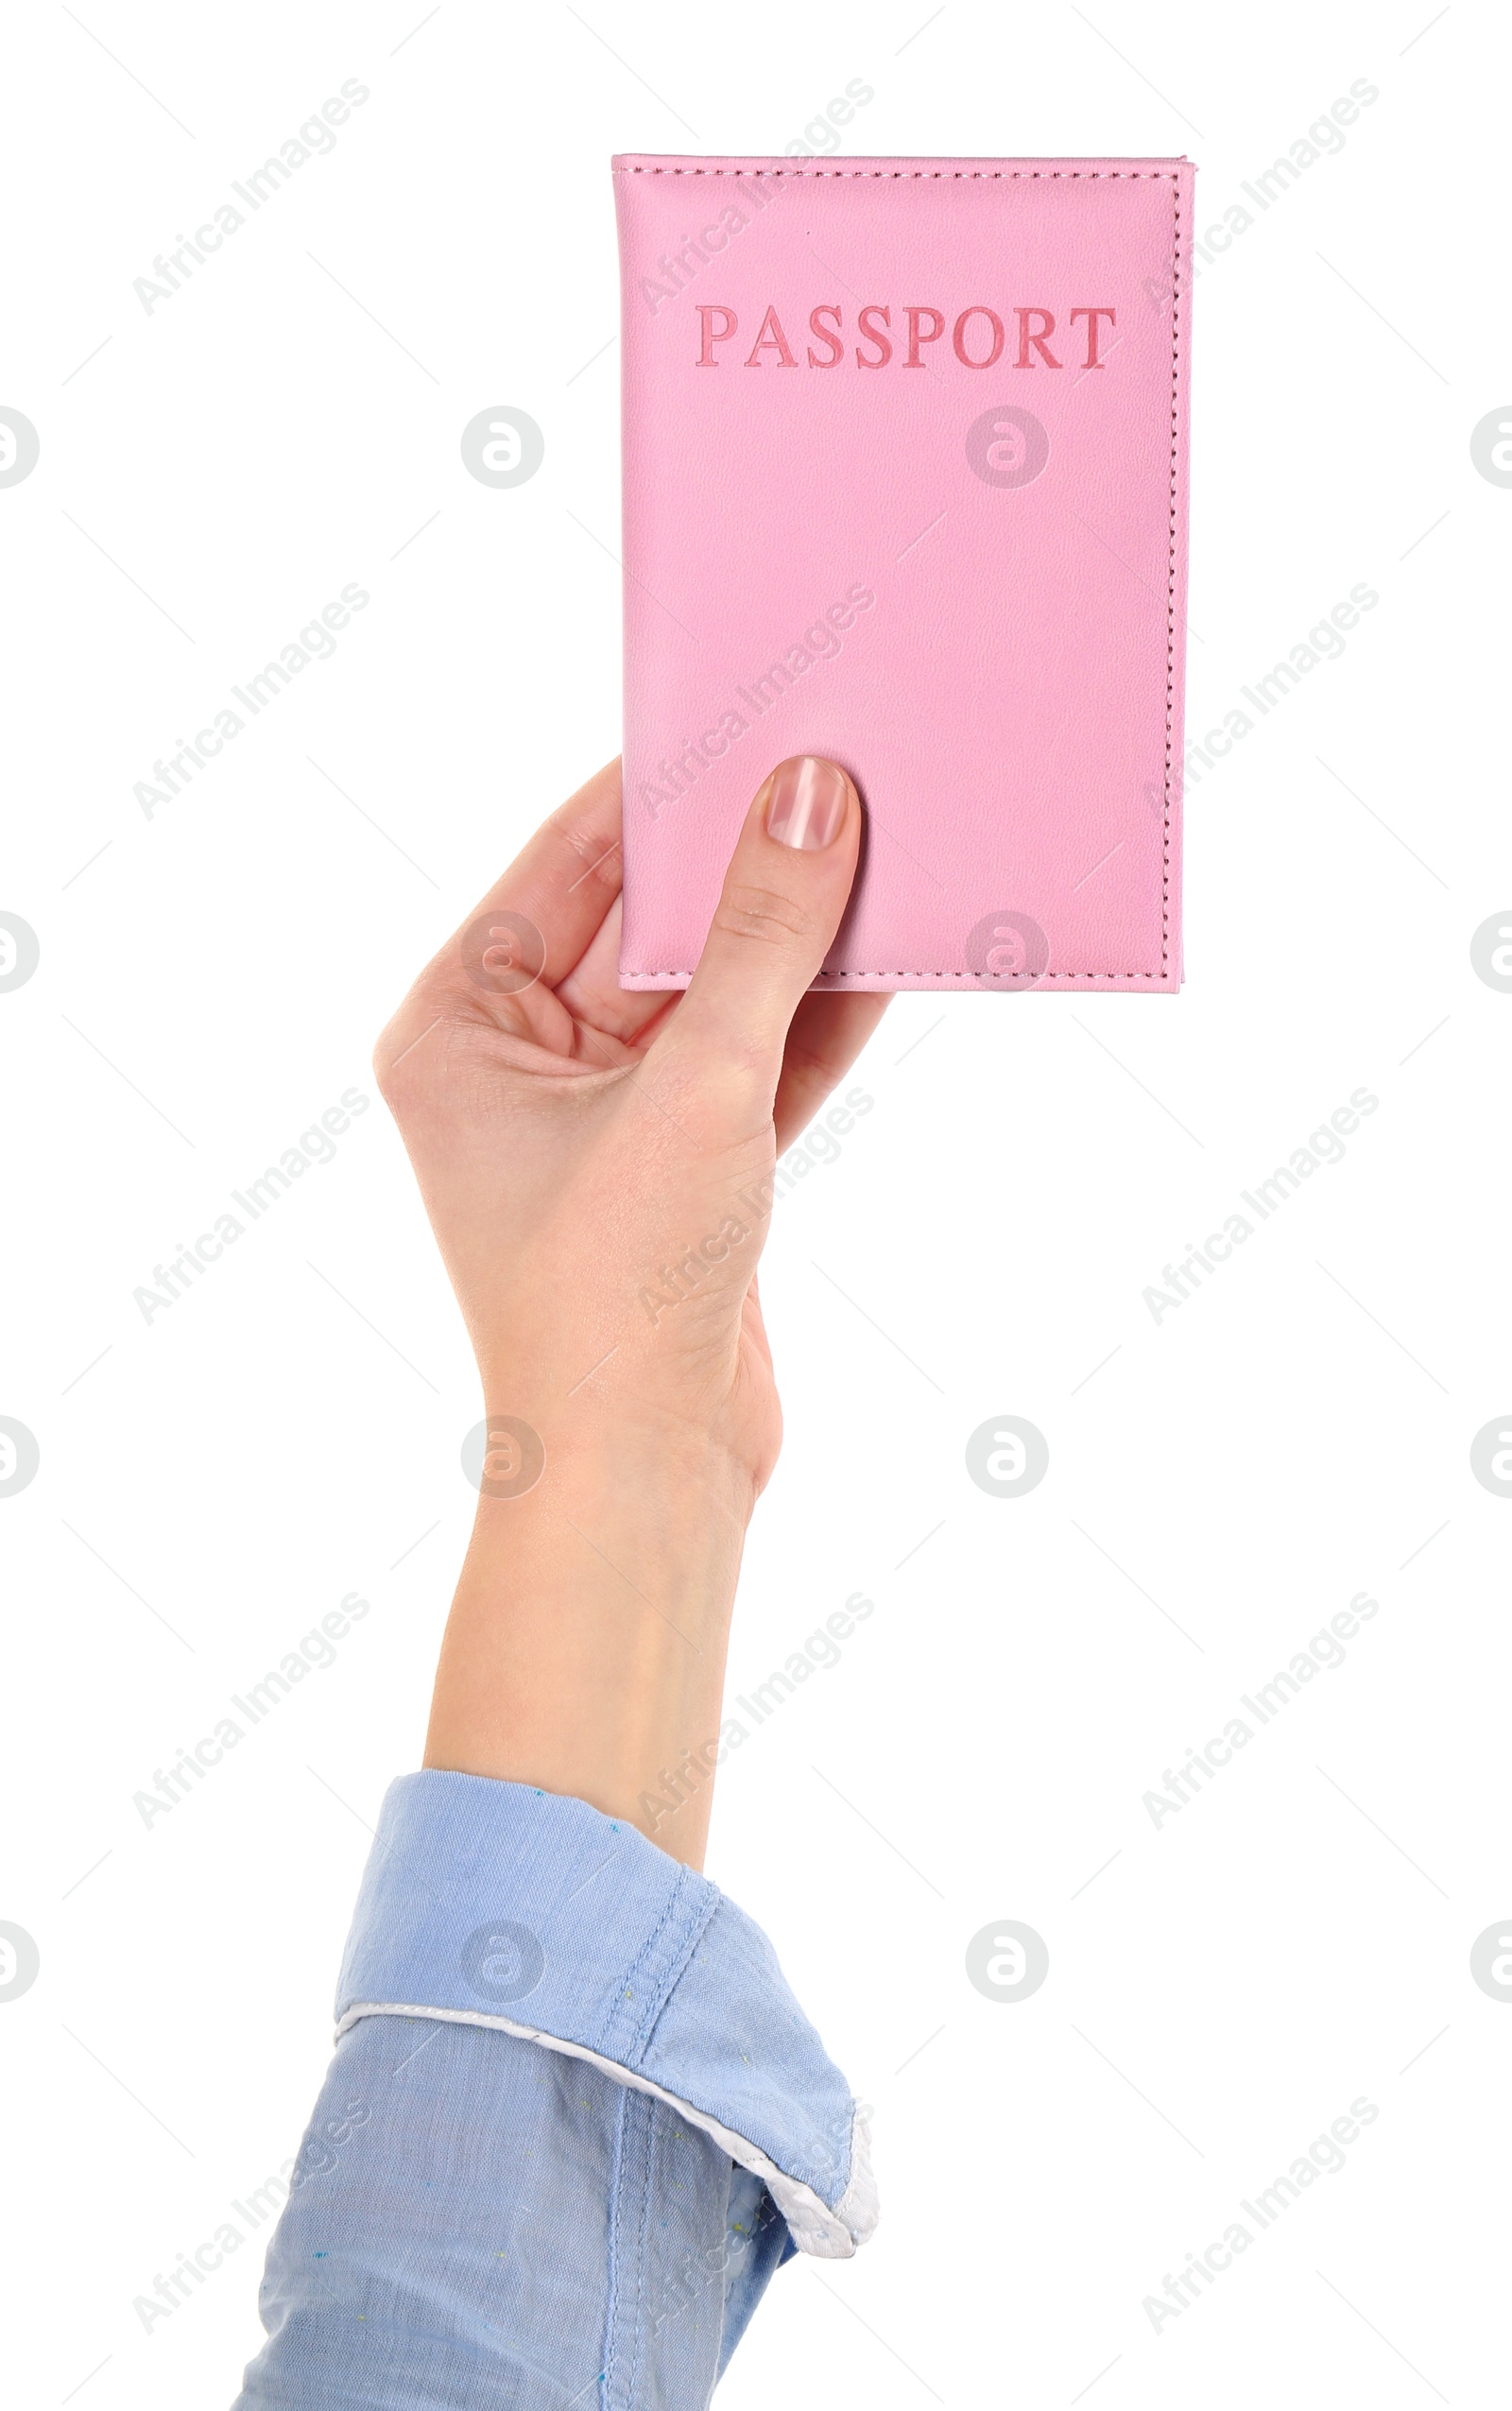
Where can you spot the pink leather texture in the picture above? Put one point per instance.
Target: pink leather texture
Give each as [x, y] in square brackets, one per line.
[905, 484]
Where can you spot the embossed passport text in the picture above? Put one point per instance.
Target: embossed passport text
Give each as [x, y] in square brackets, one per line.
[905, 484]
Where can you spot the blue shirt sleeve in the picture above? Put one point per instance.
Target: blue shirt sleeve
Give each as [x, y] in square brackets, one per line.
[573, 2122]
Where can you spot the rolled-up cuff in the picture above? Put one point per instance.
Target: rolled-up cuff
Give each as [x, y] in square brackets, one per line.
[495, 1904]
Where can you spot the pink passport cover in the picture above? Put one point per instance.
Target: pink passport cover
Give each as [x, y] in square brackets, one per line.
[905, 484]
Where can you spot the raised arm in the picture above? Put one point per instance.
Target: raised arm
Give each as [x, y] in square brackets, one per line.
[575, 2118]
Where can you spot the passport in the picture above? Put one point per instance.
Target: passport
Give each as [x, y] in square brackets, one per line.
[904, 455]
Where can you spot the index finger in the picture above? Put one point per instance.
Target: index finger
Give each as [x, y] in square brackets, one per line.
[564, 879]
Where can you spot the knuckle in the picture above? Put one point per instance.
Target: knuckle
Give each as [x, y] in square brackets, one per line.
[399, 1067]
[385, 1070]
[763, 915]
[600, 862]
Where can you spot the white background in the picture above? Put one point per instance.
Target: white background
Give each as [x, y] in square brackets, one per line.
[1221, 1987]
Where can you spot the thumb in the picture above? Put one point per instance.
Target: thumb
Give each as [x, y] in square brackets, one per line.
[784, 893]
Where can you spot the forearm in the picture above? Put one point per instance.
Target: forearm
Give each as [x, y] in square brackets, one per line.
[585, 1651]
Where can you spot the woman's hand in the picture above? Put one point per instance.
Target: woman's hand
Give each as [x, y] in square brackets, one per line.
[598, 1168]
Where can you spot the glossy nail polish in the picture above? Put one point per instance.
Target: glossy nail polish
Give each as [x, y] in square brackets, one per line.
[806, 804]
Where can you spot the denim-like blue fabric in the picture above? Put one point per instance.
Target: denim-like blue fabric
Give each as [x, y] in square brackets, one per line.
[478, 2218]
